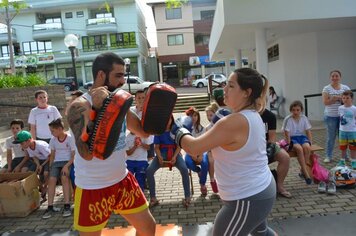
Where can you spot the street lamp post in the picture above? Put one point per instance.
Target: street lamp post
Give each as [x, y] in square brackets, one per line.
[9, 37]
[71, 41]
[127, 64]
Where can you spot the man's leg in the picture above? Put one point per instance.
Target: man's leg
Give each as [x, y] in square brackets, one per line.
[143, 222]
[283, 159]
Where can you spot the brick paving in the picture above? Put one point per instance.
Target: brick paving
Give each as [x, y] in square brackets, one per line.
[305, 202]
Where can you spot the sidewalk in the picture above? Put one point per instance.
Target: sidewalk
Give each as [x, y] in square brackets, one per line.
[305, 213]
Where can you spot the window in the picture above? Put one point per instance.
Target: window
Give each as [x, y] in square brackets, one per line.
[35, 47]
[122, 40]
[173, 13]
[5, 51]
[103, 15]
[68, 15]
[53, 20]
[273, 53]
[94, 43]
[207, 15]
[80, 14]
[176, 39]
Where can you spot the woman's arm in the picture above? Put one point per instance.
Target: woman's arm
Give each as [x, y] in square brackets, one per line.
[230, 132]
[329, 100]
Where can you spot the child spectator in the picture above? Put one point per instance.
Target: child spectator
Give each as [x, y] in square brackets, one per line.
[210, 112]
[41, 116]
[39, 152]
[136, 150]
[19, 163]
[297, 132]
[167, 151]
[139, 100]
[193, 162]
[62, 147]
[347, 130]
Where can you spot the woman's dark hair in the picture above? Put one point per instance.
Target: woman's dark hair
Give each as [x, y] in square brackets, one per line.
[337, 71]
[17, 122]
[248, 78]
[190, 112]
[105, 62]
[272, 90]
[296, 103]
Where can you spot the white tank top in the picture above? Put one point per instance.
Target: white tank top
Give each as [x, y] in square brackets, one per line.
[244, 172]
[96, 173]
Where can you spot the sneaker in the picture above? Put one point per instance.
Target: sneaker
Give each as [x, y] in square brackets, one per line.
[322, 187]
[331, 188]
[353, 164]
[308, 181]
[301, 175]
[342, 162]
[326, 160]
[49, 212]
[66, 212]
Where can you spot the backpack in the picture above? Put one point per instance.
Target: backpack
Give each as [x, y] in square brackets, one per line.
[320, 173]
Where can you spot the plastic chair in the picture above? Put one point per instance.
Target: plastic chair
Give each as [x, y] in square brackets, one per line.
[277, 106]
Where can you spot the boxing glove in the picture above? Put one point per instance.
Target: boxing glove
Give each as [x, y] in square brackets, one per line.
[222, 112]
[181, 127]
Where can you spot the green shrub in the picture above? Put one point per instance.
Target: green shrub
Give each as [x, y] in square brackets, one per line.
[15, 81]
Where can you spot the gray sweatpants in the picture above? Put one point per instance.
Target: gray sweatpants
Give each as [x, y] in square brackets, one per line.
[246, 216]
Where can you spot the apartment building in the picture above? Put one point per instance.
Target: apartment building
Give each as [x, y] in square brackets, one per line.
[38, 35]
[183, 35]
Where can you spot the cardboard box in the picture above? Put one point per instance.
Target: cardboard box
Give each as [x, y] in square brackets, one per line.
[19, 194]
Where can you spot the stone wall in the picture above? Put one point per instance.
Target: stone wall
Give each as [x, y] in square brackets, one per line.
[16, 103]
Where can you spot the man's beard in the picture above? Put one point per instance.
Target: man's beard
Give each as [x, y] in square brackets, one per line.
[110, 87]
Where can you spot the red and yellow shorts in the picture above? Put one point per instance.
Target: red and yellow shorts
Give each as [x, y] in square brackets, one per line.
[93, 207]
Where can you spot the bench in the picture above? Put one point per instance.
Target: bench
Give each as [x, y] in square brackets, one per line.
[309, 161]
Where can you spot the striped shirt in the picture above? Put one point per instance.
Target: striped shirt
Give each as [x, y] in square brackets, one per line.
[332, 109]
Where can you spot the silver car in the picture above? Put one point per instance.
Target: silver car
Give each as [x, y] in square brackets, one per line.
[218, 79]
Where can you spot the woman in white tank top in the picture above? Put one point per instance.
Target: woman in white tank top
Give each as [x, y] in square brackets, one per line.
[238, 145]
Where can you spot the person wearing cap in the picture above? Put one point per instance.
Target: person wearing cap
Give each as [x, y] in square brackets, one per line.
[39, 153]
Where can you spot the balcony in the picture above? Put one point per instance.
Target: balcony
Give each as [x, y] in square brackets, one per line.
[3, 35]
[101, 25]
[47, 31]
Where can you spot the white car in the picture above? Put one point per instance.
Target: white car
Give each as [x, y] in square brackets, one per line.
[218, 79]
[136, 83]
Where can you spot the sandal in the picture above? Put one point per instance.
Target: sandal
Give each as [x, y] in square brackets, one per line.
[285, 194]
[153, 202]
[186, 202]
[203, 190]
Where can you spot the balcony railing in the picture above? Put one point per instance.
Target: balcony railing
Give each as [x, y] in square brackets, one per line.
[4, 31]
[47, 26]
[98, 21]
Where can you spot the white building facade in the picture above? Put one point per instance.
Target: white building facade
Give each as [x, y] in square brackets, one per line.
[294, 43]
[38, 34]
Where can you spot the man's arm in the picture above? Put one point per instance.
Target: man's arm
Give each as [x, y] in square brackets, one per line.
[271, 136]
[78, 117]
[134, 125]
[9, 159]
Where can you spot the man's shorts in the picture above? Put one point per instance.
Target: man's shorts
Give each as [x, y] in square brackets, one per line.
[300, 139]
[32, 166]
[93, 207]
[272, 150]
[15, 162]
[347, 139]
[56, 168]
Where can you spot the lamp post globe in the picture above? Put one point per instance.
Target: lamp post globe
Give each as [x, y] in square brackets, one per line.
[127, 64]
[71, 41]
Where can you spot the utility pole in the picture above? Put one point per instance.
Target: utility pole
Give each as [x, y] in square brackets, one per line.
[9, 37]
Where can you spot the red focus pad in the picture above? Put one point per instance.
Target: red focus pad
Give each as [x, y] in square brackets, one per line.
[108, 122]
[157, 108]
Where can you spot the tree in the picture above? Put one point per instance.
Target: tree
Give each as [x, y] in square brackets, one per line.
[175, 3]
[16, 5]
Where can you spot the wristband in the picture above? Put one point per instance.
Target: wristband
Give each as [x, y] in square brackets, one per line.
[180, 134]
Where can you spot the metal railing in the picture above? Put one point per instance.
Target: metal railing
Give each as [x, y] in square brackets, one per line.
[313, 95]
[47, 26]
[98, 21]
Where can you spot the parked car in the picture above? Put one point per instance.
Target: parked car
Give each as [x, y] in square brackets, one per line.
[218, 79]
[136, 83]
[68, 83]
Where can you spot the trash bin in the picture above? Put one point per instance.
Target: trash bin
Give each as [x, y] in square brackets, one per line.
[218, 94]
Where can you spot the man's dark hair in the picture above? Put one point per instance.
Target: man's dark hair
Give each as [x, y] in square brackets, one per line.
[38, 92]
[105, 62]
[139, 91]
[348, 93]
[57, 124]
[17, 122]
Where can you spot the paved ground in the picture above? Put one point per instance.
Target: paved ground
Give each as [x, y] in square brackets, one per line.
[305, 206]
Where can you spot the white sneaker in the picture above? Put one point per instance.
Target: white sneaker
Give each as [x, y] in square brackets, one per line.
[331, 188]
[326, 160]
[322, 187]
